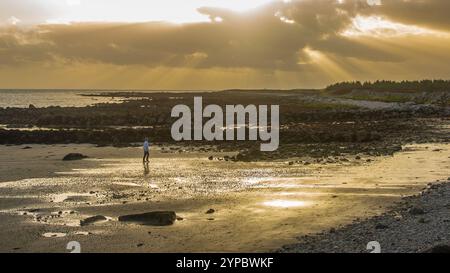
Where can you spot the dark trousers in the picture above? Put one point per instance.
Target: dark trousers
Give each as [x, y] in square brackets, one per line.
[146, 155]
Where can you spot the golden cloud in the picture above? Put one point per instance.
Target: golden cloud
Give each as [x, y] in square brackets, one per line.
[304, 37]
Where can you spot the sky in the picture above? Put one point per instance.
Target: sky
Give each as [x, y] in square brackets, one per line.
[220, 44]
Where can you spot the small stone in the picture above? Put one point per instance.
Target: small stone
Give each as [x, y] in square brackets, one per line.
[210, 211]
[416, 211]
[381, 226]
[438, 249]
[74, 156]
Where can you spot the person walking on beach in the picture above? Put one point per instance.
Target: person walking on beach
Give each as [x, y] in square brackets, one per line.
[146, 150]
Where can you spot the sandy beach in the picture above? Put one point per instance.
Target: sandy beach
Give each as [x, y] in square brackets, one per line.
[258, 206]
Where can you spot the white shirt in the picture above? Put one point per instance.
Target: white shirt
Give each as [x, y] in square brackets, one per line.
[146, 146]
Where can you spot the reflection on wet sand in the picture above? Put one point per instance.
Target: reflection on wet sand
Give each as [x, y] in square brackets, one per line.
[285, 203]
[146, 169]
[256, 206]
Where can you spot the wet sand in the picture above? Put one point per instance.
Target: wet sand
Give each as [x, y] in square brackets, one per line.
[258, 206]
[418, 224]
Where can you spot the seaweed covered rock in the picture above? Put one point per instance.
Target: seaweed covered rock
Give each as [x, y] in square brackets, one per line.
[74, 156]
[154, 218]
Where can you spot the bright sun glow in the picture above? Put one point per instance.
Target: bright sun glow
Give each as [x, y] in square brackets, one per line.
[177, 11]
[285, 203]
[378, 26]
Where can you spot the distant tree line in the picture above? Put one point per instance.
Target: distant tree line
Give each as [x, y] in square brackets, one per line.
[402, 86]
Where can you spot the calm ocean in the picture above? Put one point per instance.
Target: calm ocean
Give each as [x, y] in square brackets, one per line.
[45, 98]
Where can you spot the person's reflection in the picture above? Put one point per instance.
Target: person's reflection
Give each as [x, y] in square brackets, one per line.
[146, 169]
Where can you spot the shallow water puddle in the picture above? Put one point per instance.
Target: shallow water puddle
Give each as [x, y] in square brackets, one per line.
[54, 235]
[310, 194]
[71, 197]
[129, 184]
[82, 233]
[286, 203]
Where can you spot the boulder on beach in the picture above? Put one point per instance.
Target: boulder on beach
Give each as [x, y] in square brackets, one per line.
[381, 226]
[416, 211]
[154, 218]
[74, 156]
[93, 220]
[438, 249]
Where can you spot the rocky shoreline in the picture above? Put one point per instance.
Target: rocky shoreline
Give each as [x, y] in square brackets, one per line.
[313, 126]
[417, 224]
